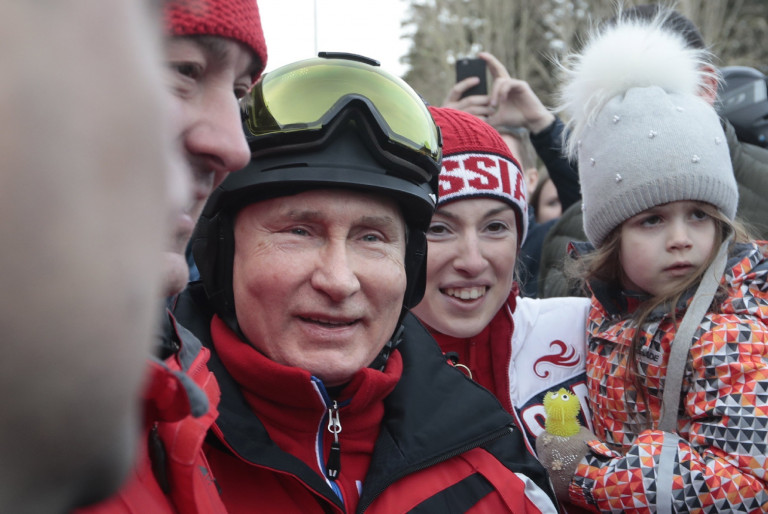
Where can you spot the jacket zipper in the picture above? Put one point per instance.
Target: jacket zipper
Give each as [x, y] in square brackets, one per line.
[497, 434]
[333, 466]
[333, 463]
[221, 439]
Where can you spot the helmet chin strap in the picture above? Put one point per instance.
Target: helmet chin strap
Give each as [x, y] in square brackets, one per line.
[381, 359]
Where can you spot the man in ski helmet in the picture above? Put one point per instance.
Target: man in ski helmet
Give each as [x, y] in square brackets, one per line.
[334, 398]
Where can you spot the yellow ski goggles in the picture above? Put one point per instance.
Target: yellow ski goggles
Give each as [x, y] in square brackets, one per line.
[305, 96]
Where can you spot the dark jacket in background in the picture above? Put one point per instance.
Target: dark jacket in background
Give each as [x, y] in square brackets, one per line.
[566, 180]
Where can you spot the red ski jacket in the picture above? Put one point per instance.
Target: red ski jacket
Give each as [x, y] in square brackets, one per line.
[417, 436]
[171, 474]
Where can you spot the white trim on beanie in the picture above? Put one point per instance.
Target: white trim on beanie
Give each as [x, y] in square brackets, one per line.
[483, 175]
[477, 163]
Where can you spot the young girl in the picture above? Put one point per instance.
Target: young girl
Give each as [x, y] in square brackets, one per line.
[677, 363]
[518, 348]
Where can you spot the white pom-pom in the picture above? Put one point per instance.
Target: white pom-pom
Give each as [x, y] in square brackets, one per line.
[630, 53]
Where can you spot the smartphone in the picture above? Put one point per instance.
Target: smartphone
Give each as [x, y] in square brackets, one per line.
[468, 67]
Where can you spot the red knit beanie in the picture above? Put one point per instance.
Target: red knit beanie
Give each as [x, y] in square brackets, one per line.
[233, 19]
[477, 163]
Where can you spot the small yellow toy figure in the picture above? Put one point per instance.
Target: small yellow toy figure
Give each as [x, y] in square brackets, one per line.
[564, 442]
[562, 410]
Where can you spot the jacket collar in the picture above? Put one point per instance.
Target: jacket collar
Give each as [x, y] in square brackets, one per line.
[433, 413]
[171, 393]
[290, 396]
[411, 421]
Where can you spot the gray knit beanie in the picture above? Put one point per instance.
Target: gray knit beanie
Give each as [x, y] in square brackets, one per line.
[642, 134]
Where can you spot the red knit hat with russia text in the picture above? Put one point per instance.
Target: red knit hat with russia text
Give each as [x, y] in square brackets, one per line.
[232, 19]
[477, 163]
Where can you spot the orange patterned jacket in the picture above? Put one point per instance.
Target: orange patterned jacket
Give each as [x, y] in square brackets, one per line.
[721, 462]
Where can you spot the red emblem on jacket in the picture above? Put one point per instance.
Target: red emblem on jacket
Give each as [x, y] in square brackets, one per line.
[566, 356]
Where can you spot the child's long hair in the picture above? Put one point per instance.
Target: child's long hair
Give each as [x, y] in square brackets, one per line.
[604, 265]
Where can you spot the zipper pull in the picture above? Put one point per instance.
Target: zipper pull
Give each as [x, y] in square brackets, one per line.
[333, 467]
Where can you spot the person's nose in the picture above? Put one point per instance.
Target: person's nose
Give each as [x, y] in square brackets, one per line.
[334, 274]
[678, 237]
[217, 136]
[470, 259]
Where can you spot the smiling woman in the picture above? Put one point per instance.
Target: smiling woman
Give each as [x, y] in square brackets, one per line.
[518, 348]
[471, 265]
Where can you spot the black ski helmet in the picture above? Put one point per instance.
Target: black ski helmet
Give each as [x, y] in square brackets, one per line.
[335, 121]
[743, 100]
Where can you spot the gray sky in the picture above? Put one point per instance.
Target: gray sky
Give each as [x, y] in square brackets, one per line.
[367, 27]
